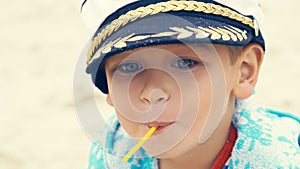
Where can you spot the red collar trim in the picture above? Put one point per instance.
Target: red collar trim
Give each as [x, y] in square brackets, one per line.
[225, 152]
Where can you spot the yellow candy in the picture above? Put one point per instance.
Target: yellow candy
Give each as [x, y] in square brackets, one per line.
[139, 144]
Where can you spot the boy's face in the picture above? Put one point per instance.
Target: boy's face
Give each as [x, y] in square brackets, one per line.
[171, 87]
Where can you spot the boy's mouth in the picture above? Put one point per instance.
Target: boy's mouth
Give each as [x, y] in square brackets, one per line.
[159, 125]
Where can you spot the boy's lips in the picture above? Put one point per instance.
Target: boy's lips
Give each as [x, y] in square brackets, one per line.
[159, 125]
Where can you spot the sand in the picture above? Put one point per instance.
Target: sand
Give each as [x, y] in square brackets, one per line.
[40, 44]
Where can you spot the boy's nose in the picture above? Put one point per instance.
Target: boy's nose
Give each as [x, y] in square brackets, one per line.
[157, 86]
[154, 96]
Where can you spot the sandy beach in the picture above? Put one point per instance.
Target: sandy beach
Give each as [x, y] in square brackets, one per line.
[40, 44]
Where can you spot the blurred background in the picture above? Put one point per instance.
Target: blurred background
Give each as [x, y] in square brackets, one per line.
[40, 43]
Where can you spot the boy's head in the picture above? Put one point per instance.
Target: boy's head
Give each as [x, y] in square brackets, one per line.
[177, 65]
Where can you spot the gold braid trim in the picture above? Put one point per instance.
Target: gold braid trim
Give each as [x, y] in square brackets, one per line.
[215, 33]
[161, 7]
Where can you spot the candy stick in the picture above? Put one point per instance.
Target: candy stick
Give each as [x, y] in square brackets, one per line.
[139, 144]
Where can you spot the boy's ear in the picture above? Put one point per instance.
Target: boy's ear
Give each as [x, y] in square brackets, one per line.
[108, 100]
[249, 63]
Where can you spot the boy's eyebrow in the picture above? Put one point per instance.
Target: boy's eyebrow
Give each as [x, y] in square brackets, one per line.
[114, 60]
[194, 50]
[186, 56]
[189, 51]
[112, 64]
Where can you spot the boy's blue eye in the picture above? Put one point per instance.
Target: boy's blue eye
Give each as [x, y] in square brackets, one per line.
[184, 63]
[129, 67]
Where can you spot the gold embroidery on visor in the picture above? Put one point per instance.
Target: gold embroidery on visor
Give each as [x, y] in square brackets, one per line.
[225, 33]
[173, 5]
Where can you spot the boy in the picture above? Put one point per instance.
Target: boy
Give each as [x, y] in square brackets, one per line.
[186, 68]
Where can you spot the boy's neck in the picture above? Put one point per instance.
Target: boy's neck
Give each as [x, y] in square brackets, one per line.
[203, 155]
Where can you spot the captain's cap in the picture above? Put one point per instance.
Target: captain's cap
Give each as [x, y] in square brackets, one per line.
[121, 25]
